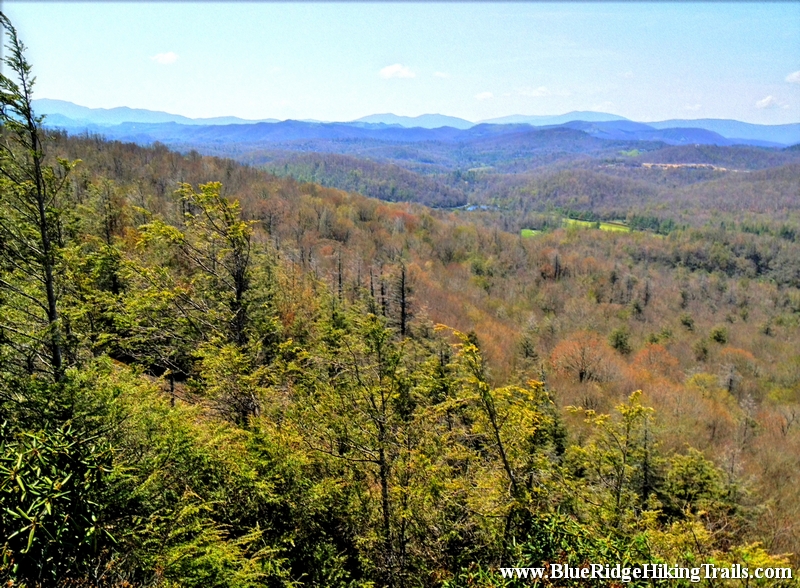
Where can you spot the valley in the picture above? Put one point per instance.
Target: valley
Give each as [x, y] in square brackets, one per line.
[396, 351]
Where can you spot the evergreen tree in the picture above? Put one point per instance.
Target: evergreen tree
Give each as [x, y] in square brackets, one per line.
[32, 230]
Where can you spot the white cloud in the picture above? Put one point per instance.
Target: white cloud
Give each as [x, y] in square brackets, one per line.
[396, 71]
[793, 78]
[628, 75]
[770, 102]
[167, 58]
[484, 96]
[536, 92]
[693, 107]
[441, 74]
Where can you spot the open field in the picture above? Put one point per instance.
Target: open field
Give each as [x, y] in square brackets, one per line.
[570, 222]
[603, 226]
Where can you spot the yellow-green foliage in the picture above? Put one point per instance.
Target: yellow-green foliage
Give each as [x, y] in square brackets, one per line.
[265, 421]
[602, 225]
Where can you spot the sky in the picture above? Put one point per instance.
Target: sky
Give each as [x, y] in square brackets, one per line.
[646, 61]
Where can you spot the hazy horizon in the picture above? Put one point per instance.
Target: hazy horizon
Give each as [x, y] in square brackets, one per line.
[340, 62]
[402, 116]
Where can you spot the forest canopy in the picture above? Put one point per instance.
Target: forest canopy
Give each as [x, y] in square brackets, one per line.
[214, 376]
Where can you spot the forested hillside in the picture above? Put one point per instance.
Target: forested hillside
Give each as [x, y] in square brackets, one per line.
[384, 181]
[539, 170]
[213, 376]
[607, 169]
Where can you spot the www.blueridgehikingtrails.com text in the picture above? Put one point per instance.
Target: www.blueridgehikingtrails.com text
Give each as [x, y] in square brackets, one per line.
[646, 572]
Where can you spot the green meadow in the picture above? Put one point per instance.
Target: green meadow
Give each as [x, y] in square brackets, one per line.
[570, 222]
[603, 226]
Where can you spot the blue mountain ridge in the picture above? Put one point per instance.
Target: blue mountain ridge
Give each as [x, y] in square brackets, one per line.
[70, 114]
[425, 121]
[146, 126]
[788, 134]
[555, 119]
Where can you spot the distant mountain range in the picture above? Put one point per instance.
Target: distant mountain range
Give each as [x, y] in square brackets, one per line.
[560, 119]
[434, 121]
[425, 121]
[733, 129]
[147, 126]
[67, 114]
[686, 134]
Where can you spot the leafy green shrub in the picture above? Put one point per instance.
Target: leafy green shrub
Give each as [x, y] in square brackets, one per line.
[52, 485]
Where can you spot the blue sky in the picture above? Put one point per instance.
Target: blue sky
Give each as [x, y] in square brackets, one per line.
[646, 61]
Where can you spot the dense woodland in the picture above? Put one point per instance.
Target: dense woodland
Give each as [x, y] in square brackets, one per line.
[214, 376]
[536, 171]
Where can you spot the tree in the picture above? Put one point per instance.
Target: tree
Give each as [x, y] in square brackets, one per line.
[358, 414]
[402, 298]
[621, 464]
[216, 246]
[584, 356]
[654, 360]
[31, 228]
[620, 339]
[516, 435]
[194, 299]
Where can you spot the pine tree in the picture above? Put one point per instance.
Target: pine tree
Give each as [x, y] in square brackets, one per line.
[31, 227]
